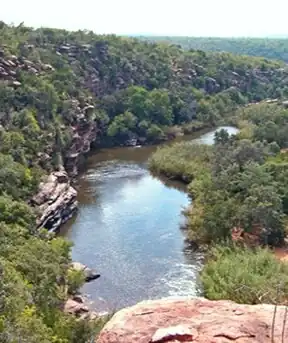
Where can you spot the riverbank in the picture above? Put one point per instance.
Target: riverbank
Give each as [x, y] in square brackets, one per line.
[239, 190]
[56, 199]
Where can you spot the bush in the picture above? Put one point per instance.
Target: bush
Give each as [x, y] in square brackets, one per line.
[76, 279]
[245, 276]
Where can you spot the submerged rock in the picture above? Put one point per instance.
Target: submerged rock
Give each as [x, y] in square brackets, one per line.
[195, 320]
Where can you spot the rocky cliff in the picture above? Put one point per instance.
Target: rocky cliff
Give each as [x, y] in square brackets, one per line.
[61, 91]
[55, 202]
[196, 320]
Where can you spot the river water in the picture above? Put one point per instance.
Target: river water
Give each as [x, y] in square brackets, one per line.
[128, 229]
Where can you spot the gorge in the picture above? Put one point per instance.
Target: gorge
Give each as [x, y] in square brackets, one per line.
[128, 229]
[62, 93]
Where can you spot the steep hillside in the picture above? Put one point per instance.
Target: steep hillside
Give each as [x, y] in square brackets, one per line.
[271, 48]
[57, 86]
[62, 91]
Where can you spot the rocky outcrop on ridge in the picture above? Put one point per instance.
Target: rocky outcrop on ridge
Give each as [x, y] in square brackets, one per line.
[11, 66]
[196, 320]
[133, 71]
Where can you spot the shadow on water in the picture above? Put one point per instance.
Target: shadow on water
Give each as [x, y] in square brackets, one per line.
[127, 228]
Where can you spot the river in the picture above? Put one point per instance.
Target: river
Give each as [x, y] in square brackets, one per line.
[128, 229]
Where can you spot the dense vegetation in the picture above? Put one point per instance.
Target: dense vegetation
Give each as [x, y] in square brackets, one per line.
[240, 191]
[57, 87]
[271, 48]
[246, 276]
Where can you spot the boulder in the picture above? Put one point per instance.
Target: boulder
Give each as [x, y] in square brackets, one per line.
[75, 307]
[195, 320]
[90, 274]
[79, 310]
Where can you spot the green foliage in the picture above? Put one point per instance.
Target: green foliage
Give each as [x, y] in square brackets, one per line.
[271, 48]
[269, 122]
[16, 212]
[57, 85]
[75, 279]
[245, 276]
[15, 179]
[242, 182]
[122, 125]
[182, 161]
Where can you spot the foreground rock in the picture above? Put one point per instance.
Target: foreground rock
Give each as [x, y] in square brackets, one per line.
[195, 320]
[56, 201]
[89, 273]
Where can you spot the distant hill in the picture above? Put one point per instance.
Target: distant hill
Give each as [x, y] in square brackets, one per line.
[271, 48]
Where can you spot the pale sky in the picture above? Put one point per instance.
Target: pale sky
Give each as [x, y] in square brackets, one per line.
[158, 17]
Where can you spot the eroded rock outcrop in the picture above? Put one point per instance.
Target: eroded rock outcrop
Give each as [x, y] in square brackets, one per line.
[56, 201]
[11, 66]
[84, 134]
[195, 320]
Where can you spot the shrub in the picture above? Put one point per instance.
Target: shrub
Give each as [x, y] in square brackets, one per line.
[76, 279]
[245, 276]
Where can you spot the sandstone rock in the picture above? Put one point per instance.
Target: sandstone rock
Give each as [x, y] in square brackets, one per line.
[56, 201]
[195, 320]
[85, 134]
[79, 310]
[16, 83]
[48, 67]
[88, 108]
[79, 298]
[90, 274]
[74, 307]
[211, 85]
[62, 176]
[271, 101]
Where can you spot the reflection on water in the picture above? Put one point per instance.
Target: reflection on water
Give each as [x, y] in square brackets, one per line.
[128, 229]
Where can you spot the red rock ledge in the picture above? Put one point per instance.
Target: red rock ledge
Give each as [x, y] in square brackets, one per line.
[195, 320]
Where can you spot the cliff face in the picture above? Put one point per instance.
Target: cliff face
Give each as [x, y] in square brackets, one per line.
[84, 134]
[195, 320]
[55, 202]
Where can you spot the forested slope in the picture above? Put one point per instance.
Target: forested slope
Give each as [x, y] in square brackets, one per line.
[271, 48]
[239, 189]
[61, 91]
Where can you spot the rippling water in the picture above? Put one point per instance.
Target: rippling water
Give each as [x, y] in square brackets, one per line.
[127, 229]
